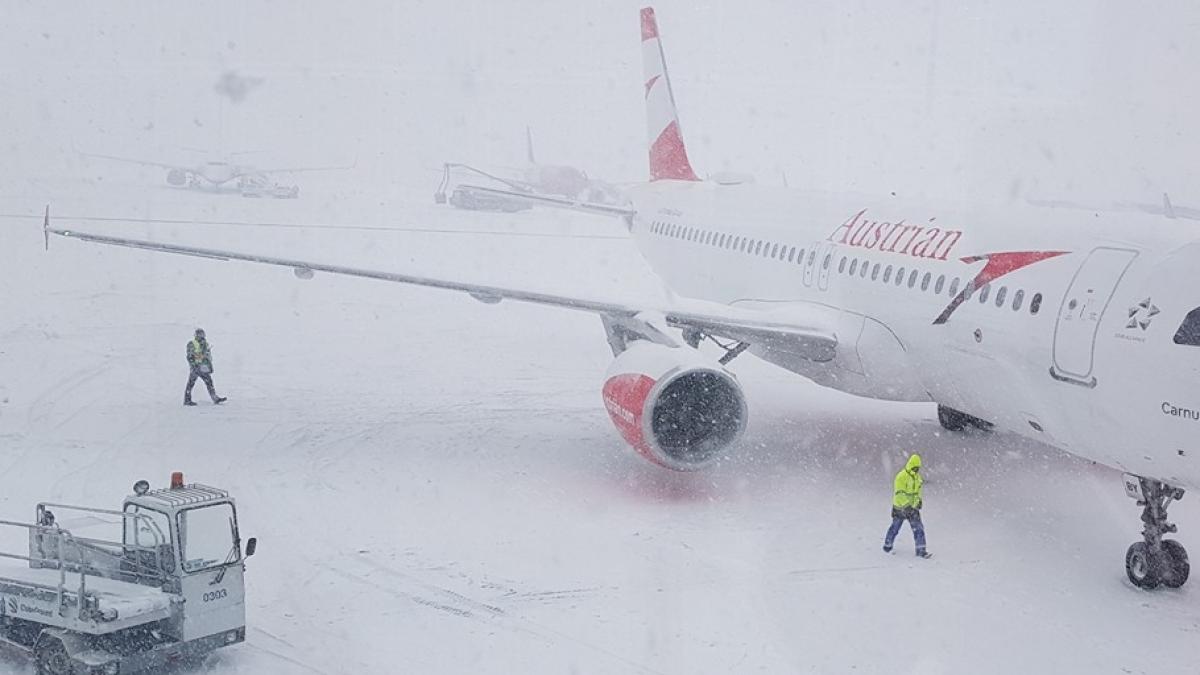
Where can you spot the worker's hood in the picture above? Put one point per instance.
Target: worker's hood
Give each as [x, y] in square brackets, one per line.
[913, 463]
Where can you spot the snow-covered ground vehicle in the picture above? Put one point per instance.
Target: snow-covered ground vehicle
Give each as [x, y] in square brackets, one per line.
[261, 186]
[466, 197]
[168, 588]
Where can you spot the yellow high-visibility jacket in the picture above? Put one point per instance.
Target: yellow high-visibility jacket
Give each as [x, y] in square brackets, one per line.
[908, 485]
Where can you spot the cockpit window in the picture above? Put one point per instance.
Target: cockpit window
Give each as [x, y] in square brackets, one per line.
[1189, 332]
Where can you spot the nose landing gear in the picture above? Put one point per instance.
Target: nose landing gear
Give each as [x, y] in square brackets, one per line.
[1154, 560]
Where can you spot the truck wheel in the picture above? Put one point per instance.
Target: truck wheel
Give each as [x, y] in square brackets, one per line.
[53, 659]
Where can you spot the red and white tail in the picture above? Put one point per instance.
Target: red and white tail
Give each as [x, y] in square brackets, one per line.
[668, 157]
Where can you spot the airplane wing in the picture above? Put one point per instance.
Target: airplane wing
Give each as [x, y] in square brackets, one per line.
[807, 336]
[251, 171]
[130, 160]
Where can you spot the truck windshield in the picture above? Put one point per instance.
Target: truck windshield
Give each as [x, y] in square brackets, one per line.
[1189, 332]
[208, 537]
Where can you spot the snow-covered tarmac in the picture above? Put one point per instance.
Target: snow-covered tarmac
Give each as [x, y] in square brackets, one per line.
[436, 487]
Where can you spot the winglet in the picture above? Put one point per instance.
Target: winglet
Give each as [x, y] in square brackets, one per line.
[46, 228]
[1168, 210]
[668, 156]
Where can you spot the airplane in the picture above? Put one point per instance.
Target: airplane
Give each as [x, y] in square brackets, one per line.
[553, 180]
[215, 174]
[1077, 329]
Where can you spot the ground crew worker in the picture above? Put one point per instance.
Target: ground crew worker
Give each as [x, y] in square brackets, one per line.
[906, 505]
[199, 358]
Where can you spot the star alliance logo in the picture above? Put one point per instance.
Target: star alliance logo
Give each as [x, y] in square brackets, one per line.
[1141, 314]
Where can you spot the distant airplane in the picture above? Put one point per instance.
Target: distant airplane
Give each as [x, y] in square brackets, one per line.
[251, 181]
[550, 180]
[1077, 329]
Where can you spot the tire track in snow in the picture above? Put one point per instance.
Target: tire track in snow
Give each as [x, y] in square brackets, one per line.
[460, 605]
[276, 653]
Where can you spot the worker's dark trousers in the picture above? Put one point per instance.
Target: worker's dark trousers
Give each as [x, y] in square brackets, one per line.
[913, 517]
[187, 393]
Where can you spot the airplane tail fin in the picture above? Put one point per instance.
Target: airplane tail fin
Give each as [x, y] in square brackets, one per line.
[668, 156]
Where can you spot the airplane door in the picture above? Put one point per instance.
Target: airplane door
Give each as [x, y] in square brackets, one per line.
[811, 261]
[825, 264]
[1082, 309]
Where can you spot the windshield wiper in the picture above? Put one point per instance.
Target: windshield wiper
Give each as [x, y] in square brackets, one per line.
[233, 554]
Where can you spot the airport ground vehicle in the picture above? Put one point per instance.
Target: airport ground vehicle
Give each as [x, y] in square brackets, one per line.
[169, 587]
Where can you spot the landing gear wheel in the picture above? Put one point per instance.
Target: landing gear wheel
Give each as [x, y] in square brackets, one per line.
[1140, 566]
[1176, 562]
[54, 660]
[951, 419]
[1155, 561]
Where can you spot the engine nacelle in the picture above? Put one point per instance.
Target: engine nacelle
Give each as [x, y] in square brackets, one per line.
[176, 177]
[675, 407]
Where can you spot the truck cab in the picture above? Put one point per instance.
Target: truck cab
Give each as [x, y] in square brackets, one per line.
[194, 531]
[130, 590]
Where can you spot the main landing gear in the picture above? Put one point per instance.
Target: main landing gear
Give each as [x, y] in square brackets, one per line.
[1155, 560]
[953, 420]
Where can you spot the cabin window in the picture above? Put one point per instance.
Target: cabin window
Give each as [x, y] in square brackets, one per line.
[758, 247]
[900, 276]
[800, 258]
[1001, 295]
[828, 259]
[984, 293]
[912, 278]
[775, 250]
[791, 254]
[941, 283]
[875, 272]
[812, 257]
[925, 281]
[1189, 332]
[1035, 305]
[954, 287]
[866, 266]
[853, 266]
[1018, 300]
[887, 274]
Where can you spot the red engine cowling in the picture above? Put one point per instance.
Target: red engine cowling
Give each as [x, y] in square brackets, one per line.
[176, 177]
[674, 407]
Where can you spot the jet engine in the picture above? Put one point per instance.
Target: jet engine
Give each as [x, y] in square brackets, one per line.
[675, 407]
[176, 177]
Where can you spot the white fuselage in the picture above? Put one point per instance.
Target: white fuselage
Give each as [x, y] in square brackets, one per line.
[1068, 337]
